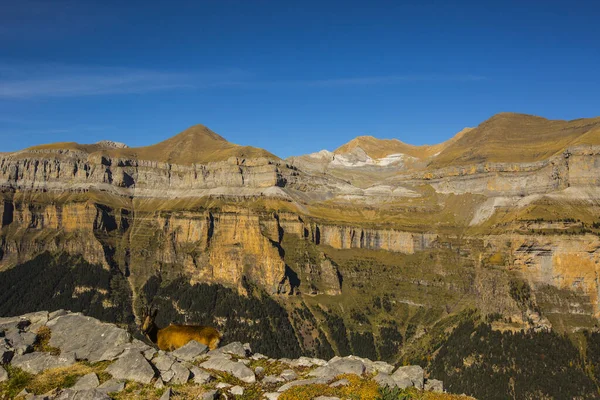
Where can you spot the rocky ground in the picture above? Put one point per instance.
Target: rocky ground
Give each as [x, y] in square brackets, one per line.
[63, 355]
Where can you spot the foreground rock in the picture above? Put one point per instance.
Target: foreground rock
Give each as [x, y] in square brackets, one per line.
[132, 362]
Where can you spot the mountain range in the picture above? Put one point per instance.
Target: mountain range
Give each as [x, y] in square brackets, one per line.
[380, 248]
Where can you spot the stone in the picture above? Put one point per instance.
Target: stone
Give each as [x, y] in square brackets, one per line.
[56, 314]
[235, 348]
[91, 394]
[21, 342]
[272, 396]
[325, 371]
[36, 362]
[190, 351]
[237, 390]
[434, 385]
[272, 379]
[259, 370]
[258, 356]
[236, 369]
[341, 382]
[384, 380]
[159, 384]
[166, 395]
[166, 376]
[303, 382]
[223, 385]
[210, 395]
[132, 366]
[89, 338]
[200, 376]
[112, 386]
[163, 362]
[86, 382]
[181, 374]
[3, 375]
[306, 362]
[348, 366]
[289, 375]
[414, 373]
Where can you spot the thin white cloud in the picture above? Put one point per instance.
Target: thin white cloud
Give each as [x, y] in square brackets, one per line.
[58, 80]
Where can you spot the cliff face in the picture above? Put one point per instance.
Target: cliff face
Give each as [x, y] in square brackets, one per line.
[238, 215]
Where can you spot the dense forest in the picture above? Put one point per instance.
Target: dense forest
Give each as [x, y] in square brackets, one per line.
[256, 319]
[490, 364]
[51, 282]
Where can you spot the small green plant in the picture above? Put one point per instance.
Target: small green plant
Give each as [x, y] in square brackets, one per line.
[17, 381]
[395, 393]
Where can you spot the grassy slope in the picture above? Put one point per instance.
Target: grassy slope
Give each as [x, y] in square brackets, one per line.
[510, 137]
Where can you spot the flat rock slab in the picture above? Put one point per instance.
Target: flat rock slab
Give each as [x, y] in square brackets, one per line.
[87, 337]
[86, 382]
[36, 362]
[200, 376]
[190, 351]
[235, 348]
[112, 386]
[384, 379]
[236, 369]
[180, 374]
[92, 394]
[132, 366]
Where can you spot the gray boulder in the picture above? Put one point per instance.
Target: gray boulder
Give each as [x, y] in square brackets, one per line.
[21, 342]
[112, 386]
[413, 373]
[86, 382]
[235, 348]
[289, 375]
[163, 362]
[384, 379]
[210, 395]
[3, 375]
[36, 362]
[434, 385]
[190, 351]
[236, 369]
[237, 390]
[89, 338]
[132, 366]
[325, 371]
[200, 376]
[348, 366]
[180, 374]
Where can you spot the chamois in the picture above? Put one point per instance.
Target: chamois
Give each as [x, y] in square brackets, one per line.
[175, 336]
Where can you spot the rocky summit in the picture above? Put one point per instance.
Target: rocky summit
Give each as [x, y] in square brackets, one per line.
[472, 259]
[103, 361]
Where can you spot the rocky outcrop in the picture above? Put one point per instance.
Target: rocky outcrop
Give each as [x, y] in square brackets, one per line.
[131, 362]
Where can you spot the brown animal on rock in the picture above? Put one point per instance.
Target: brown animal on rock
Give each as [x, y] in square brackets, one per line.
[175, 336]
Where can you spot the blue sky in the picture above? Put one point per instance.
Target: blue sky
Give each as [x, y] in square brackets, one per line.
[290, 76]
